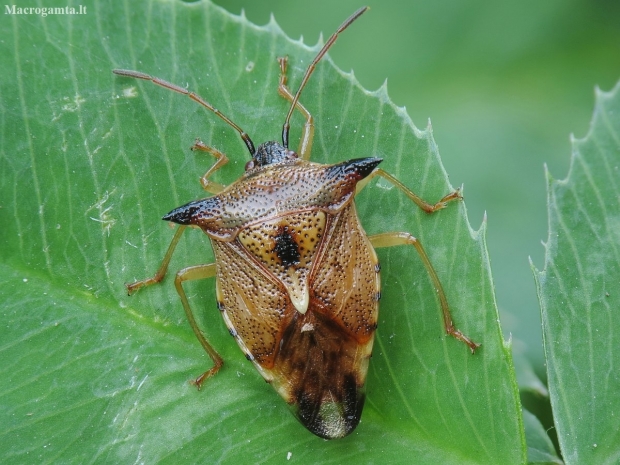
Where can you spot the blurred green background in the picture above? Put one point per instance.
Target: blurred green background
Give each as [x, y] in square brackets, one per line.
[505, 84]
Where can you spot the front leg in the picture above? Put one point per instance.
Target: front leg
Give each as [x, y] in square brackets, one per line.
[220, 160]
[423, 204]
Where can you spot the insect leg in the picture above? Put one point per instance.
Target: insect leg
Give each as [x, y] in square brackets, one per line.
[403, 238]
[307, 133]
[192, 273]
[161, 272]
[424, 205]
[221, 159]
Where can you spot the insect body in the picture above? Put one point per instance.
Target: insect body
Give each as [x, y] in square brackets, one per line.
[297, 278]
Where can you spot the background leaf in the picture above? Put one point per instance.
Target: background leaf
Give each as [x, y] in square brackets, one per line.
[91, 161]
[579, 291]
[540, 448]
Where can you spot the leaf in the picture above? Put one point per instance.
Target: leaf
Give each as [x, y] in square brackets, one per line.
[579, 292]
[540, 449]
[91, 161]
[537, 416]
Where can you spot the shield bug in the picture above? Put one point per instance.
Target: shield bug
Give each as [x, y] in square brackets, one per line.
[297, 278]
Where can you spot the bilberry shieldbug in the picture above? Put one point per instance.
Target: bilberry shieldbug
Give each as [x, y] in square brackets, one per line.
[297, 278]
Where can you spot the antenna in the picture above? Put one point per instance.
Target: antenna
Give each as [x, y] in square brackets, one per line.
[195, 97]
[287, 126]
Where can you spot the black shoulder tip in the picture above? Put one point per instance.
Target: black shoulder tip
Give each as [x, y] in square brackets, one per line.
[358, 167]
[182, 215]
[191, 212]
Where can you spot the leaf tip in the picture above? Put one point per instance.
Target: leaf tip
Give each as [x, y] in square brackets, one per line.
[533, 267]
[480, 233]
[351, 75]
[548, 176]
[273, 26]
[382, 93]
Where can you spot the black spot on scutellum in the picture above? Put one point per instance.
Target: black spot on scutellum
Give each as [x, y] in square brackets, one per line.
[286, 248]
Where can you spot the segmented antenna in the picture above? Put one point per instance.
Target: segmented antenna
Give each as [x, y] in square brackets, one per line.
[286, 127]
[195, 97]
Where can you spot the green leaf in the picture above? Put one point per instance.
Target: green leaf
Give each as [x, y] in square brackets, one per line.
[537, 416]
[579, 291]
[91, 161]
[540, 449]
